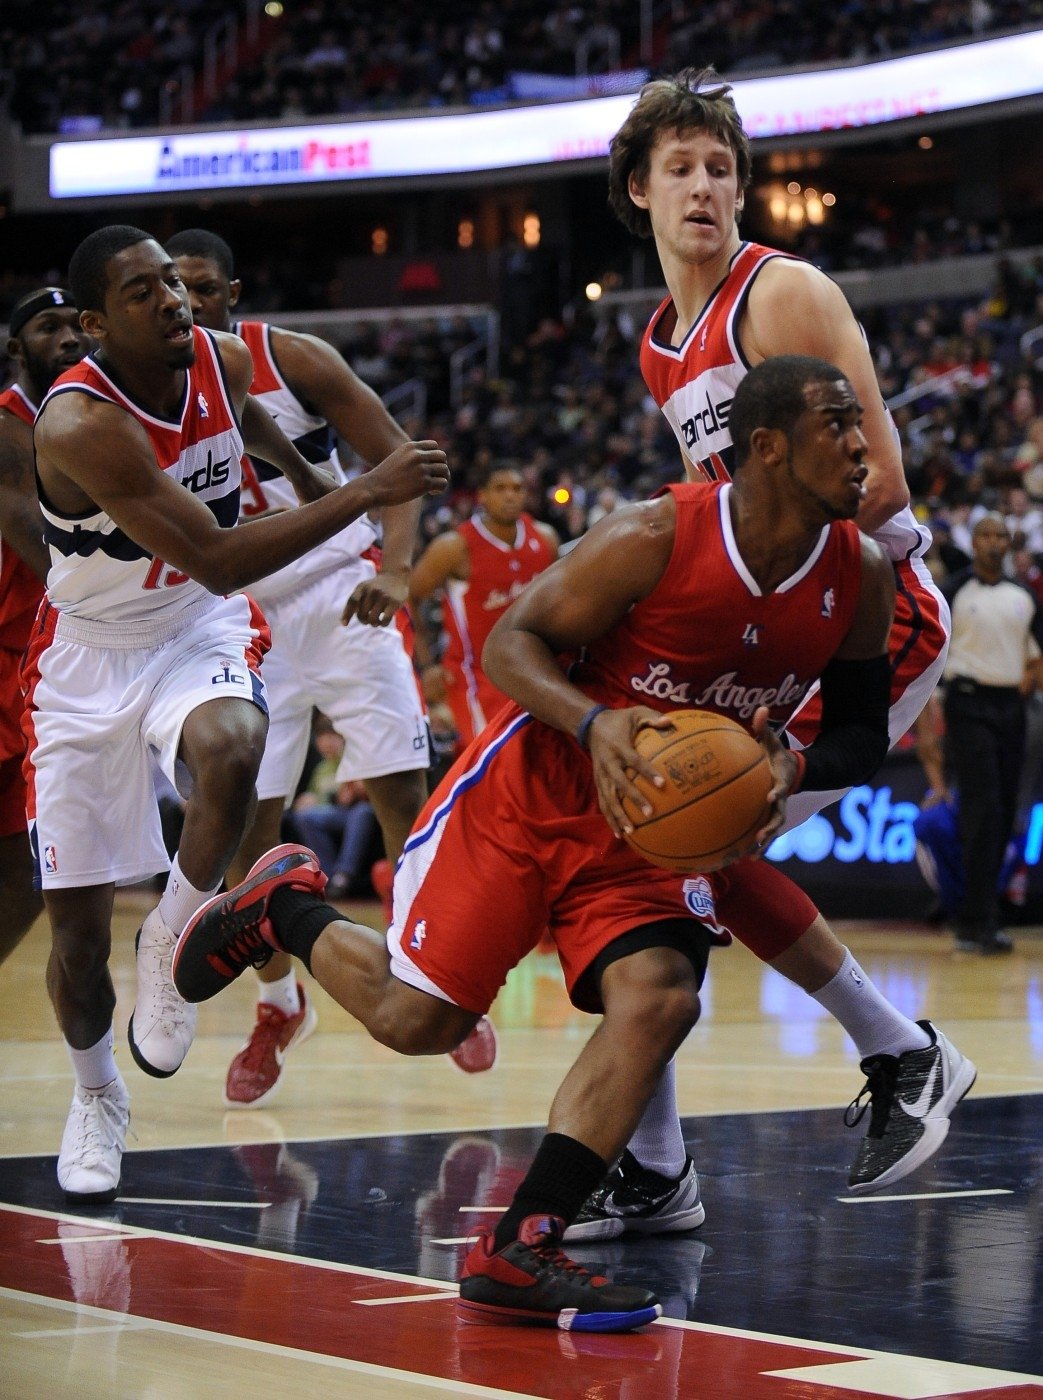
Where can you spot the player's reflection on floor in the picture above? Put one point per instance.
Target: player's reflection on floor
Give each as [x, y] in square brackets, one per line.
[285, 1184]
[464, 1201]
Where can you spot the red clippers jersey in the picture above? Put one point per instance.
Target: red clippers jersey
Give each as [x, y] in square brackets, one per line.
[707, 638]
[499, 573]
[20, 589]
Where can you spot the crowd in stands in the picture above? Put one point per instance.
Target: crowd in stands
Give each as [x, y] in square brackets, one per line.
[570, 409]
[64, 66]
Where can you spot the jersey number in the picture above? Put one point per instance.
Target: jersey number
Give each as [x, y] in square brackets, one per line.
[252, 500]
[161, 575]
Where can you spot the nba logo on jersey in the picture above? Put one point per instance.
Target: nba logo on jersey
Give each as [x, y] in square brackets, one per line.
[419, 934]
[204, 407]
[828, 599]
[50, 860]
[698, 896]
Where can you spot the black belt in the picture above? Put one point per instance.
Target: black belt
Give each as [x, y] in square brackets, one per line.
[963, 685]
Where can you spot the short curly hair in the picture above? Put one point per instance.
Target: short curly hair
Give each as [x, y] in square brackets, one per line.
[694, 99]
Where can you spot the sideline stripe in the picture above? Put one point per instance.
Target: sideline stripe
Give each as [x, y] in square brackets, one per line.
[315, 1358]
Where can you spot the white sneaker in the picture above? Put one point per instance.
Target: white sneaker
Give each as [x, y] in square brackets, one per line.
[163, 1024]
[910, 1097]
[93, 1142]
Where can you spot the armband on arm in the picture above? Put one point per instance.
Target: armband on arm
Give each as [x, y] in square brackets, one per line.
[853, 739]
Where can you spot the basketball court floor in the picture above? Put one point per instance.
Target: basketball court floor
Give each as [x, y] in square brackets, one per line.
[310, 1248]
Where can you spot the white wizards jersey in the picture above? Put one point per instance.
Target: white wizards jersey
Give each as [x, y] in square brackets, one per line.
[97, 572]
[266, 489]
[694, 384]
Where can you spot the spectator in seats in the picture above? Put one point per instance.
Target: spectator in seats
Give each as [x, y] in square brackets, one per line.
[993, 664]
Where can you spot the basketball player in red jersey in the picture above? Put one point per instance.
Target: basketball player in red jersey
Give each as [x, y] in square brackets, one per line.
[334, 645]
[678, 171]
[746, 593]
[483, 566]
[138, 657]
[45, 339]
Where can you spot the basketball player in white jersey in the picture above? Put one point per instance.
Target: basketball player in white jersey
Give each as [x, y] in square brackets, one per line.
[138, 656]
[335, 646]
[678, 171]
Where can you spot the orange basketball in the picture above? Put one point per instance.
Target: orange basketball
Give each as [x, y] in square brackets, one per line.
[716, 794]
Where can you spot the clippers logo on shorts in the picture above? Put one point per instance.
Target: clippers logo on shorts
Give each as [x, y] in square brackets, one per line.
[698, 898]
[50, 860]
[419, 934]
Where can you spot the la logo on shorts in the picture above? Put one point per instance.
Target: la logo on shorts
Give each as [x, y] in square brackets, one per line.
[698, 898]
[50, 860]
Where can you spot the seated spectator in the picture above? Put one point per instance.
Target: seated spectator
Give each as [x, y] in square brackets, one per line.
[335, 819]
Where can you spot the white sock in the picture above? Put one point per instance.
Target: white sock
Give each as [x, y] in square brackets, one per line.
[96, 1066]
[876, 1027]
[282, 993]
[180, 899]
[657, 1142]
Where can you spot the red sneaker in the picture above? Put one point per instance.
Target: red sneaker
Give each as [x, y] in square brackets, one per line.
[479, 1051]
[254, 1075]
[532, 1280]
[232, 931]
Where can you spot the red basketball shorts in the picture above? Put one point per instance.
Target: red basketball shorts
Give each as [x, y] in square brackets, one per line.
[513, 843]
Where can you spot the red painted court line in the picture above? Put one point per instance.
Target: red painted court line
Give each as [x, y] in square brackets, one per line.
[301, 1304]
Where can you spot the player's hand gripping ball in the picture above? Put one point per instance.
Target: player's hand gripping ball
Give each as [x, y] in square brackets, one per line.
[715, 799]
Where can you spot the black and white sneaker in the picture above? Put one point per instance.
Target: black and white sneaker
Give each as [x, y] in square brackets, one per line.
[636, 1200]
[910, 1098]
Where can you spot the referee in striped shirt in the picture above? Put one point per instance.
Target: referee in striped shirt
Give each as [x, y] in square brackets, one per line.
[993, 665]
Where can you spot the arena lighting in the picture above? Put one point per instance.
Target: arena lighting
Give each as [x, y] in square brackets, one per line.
[967, 75]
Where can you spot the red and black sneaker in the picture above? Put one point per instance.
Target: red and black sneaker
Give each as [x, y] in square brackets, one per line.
[532, 1280]
[232, 931]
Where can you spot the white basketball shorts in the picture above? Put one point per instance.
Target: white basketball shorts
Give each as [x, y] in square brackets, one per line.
[101, 716]
[360, 677]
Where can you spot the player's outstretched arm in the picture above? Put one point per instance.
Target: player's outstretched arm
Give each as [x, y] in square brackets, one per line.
[794, 309]
[90, 453]
[322, 378]
[21, 524]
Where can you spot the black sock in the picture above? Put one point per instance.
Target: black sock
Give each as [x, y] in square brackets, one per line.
[563, 1174]
[298, 918]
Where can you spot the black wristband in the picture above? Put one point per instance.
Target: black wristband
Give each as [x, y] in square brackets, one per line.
[583, 728]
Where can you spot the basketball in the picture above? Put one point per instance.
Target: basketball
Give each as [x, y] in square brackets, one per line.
[716, 794]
